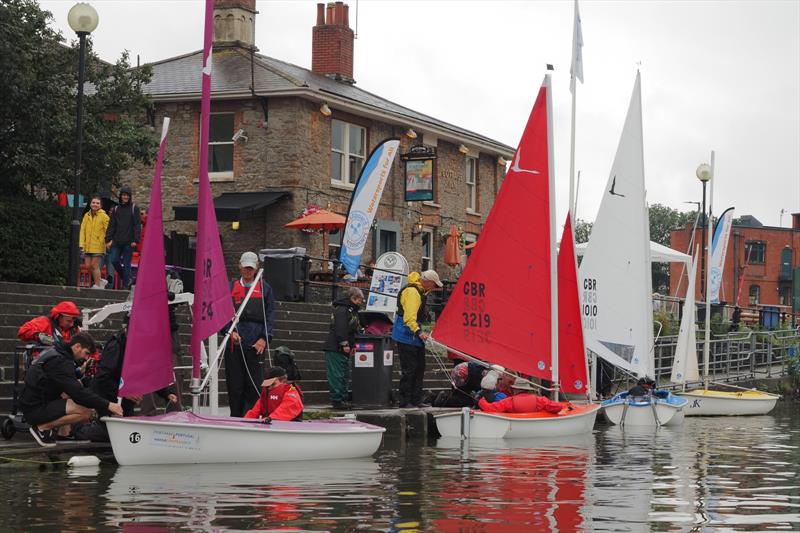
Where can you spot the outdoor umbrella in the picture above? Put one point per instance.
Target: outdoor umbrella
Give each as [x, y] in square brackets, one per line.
[320, 220]
[452, 256]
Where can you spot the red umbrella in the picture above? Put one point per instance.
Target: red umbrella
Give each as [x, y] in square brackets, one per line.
[452, 255]
[322, 219]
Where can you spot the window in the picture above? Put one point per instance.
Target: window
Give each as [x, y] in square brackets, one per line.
[755, 252]
[427, 248]
[472, 184]
[785, 296]
[220, 144]
[786, 265]
[348, 151]
[755, 294]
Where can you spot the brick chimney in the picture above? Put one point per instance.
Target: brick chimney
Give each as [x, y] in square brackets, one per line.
[235, 23]
[332, 42]
[795, 220]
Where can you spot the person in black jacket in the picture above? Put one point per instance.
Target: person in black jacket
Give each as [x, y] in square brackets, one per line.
[340, 343]
[53, 396]
[109, 371]
[124, 231]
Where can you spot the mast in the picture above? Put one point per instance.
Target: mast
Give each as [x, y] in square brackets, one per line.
[553, 250]
[707, 343]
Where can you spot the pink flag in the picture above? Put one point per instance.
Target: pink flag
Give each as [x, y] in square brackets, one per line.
[213, 307]
[147, 366]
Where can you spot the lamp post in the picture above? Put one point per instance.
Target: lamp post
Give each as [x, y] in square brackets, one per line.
[703, 174]
[83, 20]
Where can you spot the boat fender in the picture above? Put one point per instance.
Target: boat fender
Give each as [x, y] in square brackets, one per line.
[79, 461]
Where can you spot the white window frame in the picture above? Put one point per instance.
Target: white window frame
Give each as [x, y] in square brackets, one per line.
[431, 245]
[471, 179]
[226, 174]
[347, 180]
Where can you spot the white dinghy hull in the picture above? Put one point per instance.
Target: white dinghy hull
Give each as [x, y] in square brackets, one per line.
[664, 410]
[721, 403]
[185, 438]
[519, 425]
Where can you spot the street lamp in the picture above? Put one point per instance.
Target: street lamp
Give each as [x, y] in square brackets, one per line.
[83, 20]
[703, 173]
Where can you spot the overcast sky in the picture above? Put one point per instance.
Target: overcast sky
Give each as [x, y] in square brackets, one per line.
[716, 75]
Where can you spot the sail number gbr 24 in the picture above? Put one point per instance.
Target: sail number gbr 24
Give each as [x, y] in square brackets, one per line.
[475, 319]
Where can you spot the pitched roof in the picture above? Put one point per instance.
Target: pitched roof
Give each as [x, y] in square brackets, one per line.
[178, 79]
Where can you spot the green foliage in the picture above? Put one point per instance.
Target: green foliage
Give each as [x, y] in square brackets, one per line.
[34, 237]
[669, 326]
[582, 230]
[38, 109]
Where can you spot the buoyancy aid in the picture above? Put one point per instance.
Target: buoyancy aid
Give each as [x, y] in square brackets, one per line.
[272, 398]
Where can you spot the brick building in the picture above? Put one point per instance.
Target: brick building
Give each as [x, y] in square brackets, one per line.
[758, 264]
[303, 136]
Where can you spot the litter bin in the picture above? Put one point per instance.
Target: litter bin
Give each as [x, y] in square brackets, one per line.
[283, 268]
[373, 360]
[770, 317]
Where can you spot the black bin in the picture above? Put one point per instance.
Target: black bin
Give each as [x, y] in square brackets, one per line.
[283, 268]
[373, 359]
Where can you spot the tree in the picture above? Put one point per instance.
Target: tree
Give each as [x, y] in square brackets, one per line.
[582, 230]
[663, 220]
[37, 111]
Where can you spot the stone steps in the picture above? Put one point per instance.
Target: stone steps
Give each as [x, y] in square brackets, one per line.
[302, 327]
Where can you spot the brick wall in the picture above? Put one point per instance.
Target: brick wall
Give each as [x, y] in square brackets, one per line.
[293, 153]
[764, 275]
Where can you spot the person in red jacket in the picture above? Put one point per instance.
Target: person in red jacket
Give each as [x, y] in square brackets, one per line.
[58, 327]
[522, 402]
[280, 400]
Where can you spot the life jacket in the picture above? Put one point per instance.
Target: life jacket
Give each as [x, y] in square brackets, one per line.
[272, 398]
[254, 310]
[422, 312]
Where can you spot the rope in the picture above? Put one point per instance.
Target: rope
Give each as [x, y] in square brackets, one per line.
[32, 461]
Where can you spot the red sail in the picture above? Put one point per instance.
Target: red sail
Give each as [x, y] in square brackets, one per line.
[500, 309]
[571, 351]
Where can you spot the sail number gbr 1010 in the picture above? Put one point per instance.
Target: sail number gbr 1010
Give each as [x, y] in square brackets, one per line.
[474, 314]
[589, 303]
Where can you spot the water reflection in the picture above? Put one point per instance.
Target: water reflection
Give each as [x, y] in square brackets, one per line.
[712, 474]
[513, 485]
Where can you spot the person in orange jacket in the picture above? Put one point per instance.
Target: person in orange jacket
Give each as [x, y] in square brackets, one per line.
[523, 402]
[280, 400]
[58, 327]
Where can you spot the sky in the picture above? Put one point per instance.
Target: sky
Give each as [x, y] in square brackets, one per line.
[718, 75]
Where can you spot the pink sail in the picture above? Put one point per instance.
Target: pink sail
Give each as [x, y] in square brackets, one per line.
[213, 307]
[147, 366]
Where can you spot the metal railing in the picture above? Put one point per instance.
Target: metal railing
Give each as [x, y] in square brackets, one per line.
[736, 356]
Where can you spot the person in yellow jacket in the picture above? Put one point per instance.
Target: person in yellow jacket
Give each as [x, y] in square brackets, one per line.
[93, 239]
[407, 333]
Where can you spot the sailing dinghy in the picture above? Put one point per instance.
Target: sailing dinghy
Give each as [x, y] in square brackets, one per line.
[506, 308]
[616, 279]
[706, 402]
[190, 437]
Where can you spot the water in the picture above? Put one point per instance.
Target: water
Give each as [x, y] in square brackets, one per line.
[713, 474]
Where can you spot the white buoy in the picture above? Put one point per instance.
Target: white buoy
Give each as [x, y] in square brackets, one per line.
[78, 461]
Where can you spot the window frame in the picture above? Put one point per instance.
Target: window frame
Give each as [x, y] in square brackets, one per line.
[345, 153]
[472, 187]
[225, 173]
[750, 293]
[748, 255]
[430, 233]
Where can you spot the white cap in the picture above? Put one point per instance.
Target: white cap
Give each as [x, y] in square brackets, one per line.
[249, 259]
[431, 275]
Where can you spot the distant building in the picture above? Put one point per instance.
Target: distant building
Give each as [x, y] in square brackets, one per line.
[758, 265]
[303, 137]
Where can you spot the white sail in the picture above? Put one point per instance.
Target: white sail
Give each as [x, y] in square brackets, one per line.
[615, 277]
[684, 365]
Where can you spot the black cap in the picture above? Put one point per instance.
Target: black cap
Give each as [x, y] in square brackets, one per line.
[275, 372]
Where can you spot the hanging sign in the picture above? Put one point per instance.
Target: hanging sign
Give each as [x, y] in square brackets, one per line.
[419, 173]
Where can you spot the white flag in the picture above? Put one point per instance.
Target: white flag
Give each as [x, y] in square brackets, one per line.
[576, 69]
